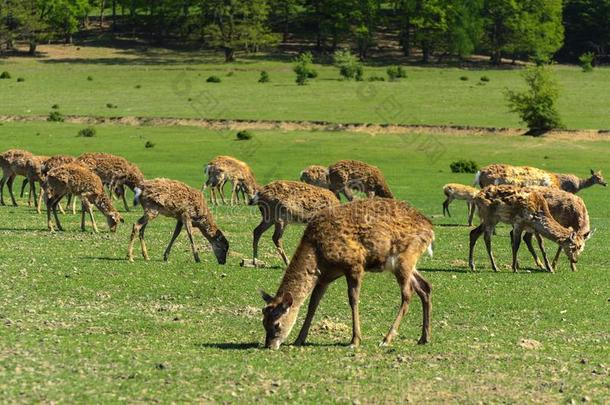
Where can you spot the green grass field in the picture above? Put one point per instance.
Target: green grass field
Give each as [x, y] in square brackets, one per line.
[172, 84]
[78, 323]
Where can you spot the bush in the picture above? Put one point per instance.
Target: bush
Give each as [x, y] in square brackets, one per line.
[464, 166]
[348, 64]
[20, 79]
[110, 105]
[213, 79]
[55, 106]
[149, 145]
[5, 75]
[484, 79]
[88, 132]
[264, 78]
[231, 73]
[464, 78]
[138, 86]
[244, 135]
[586, 61]
[376, 79]
[303, 68]
[395, 73]
[55, 116]
[536, 105]
[90, 78]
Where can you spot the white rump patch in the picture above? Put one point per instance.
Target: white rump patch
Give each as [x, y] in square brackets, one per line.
[391, 263]
[477, 179]
[430, 250]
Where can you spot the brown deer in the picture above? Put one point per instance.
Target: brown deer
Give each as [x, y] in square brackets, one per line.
[455, 191]
[78, 180]
[175, 199]
[315, 175]
[347, 175]
[283, 202]
[13, 163]
[370, 235]
[524, 176]
[569, 211]
[33, 171]
[222, 169]
[527, 211]
[51, 163]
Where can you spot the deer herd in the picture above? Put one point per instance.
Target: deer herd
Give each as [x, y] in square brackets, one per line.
[375, 234]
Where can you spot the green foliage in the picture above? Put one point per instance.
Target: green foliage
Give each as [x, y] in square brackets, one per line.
[149, 145]
[110, 105]
[55, 116]
[303, 68]
[464, 78]
[5, 75]
[213, 79]
[264, 77]
[244, 135]
[88, 132]
[586, 61]
[90, 78]
[348, 64]
[375, 78]
[485, 78]
[55, 106]
[537, 105]
[396, 73]
[20, 79]
[464, 166]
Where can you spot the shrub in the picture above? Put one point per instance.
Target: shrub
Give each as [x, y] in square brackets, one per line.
[303, 69]
[90, 78]
[536, 105]
[20, 79]
[55, 116]
[244, 135]
[149, 145]
[464, 78]
[138, 86]
[348, 64]
[395, 73]
[586, 61]
[464, 166]
[88, 132]
[231, 73]
[376, 79]
[5, 75]
[110, 105]
[264, 78]
[55, 106]
[213, 79]
[484, 79]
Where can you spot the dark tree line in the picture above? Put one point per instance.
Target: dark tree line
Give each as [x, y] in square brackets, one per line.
[514, 29]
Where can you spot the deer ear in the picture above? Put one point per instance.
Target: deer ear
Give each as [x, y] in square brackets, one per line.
[287, 300]
[588, 235]
[592, 172]
[266, 297]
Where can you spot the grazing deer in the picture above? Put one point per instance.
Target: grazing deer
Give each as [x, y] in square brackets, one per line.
[454, 191]
[347, 175]
[13, 163]
[283, 202]
[222, 169]
[78, 180]
[33, 170]
[527, 211]
[569, 211]
[370, 235]
[315, 175]
[51, 163]
[175, 199]
[524, 176]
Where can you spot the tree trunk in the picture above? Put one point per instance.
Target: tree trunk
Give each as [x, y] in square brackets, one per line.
[496, 57]
[426, 51]
[33, 45]
[113, 15]
[229, 54]
[102, 7]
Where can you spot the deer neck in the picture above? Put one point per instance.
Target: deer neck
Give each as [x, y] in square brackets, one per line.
[102, 202]
[573, 184]
[548, 227]
[584, 183]
[301, 275]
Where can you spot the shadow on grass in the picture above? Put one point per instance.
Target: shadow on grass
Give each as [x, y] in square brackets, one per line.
[437, 270]
[452, 225]
[229, 346]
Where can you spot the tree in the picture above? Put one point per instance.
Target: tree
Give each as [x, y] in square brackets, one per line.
[586, 28]
[65, 16]
[22, 20]
[239, 24]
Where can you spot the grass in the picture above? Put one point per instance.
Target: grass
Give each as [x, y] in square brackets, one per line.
[174, 85]
[81, 324]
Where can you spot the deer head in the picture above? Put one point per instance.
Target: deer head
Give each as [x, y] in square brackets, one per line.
[573, 246]
[278, 319]
[597, 178]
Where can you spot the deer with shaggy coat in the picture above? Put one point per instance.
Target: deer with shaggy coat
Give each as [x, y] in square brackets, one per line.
[525, 176]
[527, 211]
[284, 202]
[370, 235]
[455, 191]
[33, 171]
[223, 169]
[175, 199]
[315, 175]
[347, 175]
[80, 181]
[570, 211]
[13, 163]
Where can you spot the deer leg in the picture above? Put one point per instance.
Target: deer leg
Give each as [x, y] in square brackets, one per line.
[23, 184]
[221, 191]
[54, 204]
[33, 194]
[9, 183]
[446, 207]
[234, 196]
[424, 290]
[547, 265]
[314, 301]
[516, 242]
[89, 207]
[73, 205]
[168, 249]
[348, 193]
[121, 191]
[353, 292]
[556, 258]
[82, 216]
[257, 233]
[280, 226]
[404, 279]
[2, 182]
[189, 232]
[40, 197]
[527, 238]
[487, 239]
[475, 234]
[471, 210]
[138, 228]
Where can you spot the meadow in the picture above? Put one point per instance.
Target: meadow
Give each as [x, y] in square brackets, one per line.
[160, 83]
[78, 323]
